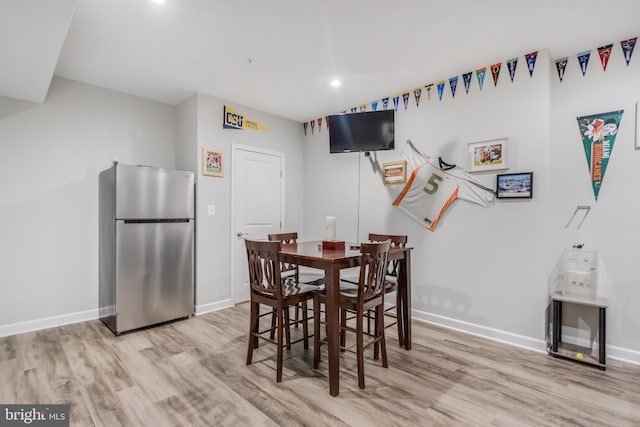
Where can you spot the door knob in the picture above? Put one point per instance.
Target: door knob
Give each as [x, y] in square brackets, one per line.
[241, 235]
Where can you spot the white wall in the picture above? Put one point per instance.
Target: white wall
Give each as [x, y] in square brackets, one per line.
[50, 157]
[485, 270]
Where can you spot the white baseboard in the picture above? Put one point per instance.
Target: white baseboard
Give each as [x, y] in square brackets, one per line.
[47, 322]
[540, 346]
[214, 306]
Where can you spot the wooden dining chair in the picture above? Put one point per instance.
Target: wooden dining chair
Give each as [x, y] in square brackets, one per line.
[286, 268]
[368, 295]
[393, 312]
[268, 287]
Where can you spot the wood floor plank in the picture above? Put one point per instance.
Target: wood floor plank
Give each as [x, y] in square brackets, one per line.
[193, 373]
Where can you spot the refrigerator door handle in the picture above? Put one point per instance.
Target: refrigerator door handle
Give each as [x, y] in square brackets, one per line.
[155, 221]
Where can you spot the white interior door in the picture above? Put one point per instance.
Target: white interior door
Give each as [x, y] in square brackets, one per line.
[258, 195]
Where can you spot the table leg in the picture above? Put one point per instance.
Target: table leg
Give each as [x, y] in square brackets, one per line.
[405, 283]
[603, 333]
[557, 327]
[332, 308]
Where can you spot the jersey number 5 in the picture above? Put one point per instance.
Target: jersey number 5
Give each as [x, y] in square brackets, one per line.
[432, 184]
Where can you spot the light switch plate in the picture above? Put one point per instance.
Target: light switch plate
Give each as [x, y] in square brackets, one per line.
[211, 209]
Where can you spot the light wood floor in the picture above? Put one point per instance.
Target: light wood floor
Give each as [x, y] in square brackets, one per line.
[192, 373]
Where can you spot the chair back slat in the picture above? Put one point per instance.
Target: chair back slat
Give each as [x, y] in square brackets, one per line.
[399, 241]
[373, 268]
[264, 266]
[285, 238]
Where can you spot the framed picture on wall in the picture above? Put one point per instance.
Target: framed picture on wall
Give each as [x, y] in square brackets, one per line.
[514, 185]
[488, 155]
[212, 163]
[394, 172]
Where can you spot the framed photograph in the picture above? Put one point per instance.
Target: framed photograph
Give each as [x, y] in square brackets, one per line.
[514, 185]
[212, 163]
[488, 155]
[394, 172]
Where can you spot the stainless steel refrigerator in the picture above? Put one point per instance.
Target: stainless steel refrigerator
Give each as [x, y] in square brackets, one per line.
[146, 246]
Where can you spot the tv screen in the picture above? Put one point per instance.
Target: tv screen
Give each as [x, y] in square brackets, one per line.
[369, 131]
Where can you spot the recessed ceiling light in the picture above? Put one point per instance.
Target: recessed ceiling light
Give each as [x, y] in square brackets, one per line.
[335, 83]
[158, 1]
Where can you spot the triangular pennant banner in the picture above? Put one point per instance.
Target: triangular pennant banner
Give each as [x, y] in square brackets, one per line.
[480, 72]
[385, 103]
[561, 65]
[305, 125]
[363, 107]
[583, 60]
[319, 124]
[428, 88]
[466, 77]
[405, 99]
[453, 84]
[396, 100]
[416, 93]
[605, 53]
[440, 86]
[598, 133]
[374, 106]
[354, 109]
[313, 126]
[495, 72]
[326, 119]
[511, 66]
[531, 61]
[627, 48]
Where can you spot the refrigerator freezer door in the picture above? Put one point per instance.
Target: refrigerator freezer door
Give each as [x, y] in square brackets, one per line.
[154, 273]
[147, 192]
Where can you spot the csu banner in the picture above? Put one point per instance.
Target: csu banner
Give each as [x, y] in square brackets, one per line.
[234, 120]
[598, 133]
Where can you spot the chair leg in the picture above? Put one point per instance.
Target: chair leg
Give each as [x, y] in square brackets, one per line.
[316, 332]
[287, 328]
[281, 330]
[305, 325]
[343, 332]
[376, 327]
[399, 318]
[360, 347]
[253, 323]
[297, 314]
[274, 317]
[380, 335]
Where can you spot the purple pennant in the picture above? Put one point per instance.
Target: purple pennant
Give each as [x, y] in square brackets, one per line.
[511, 66]
[305, 125]
[453, 83]
[428, 87]
[416, 93]
[405, 99]
[480, 72]
[396, 100]
[583, 60]
[374, 105]
[466, 77]
[561, 65]
[440, 86]
[627, 48]
[531, 61]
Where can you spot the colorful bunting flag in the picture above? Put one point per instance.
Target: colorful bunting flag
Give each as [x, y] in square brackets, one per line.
[374, 106]
[598, 133]
[480, 72]
[627, 48]
[605, 53]
[385, 103]
[583, 60]
[327, 120]
[319, 124]
[531, 61]
[495, 72]
[363, 107]
[511, 66]
[440, 86]
[405, 99]
[453, 83]
[313, 126]
[466, 77]
[396, 100]
[416, 93]
[305, 125]
[561, 65]
[428, 87]
[354, 109]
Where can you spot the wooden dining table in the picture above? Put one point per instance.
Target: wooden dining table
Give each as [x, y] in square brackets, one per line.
[311, 254]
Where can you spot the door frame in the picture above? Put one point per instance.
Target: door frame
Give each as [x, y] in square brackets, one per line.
[234, 149]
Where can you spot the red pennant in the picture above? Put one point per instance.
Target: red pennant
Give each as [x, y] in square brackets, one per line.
[319, 124]
[495, 71]
[326, 119]
[605, 53]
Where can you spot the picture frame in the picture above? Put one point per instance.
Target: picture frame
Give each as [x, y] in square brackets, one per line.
[488, 155]
[394, 172]
[212, 162]
[514, 185]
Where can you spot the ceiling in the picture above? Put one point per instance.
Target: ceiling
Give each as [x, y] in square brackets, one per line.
[280, 55]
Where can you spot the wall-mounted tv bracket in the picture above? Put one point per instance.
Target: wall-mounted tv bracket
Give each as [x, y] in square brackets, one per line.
[584, 208]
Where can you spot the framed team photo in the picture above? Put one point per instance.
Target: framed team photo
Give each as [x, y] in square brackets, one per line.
[212, 163]
[488, 155]
[514, 185]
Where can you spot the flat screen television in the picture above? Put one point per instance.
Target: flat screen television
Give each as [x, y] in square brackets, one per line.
[368, 131]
